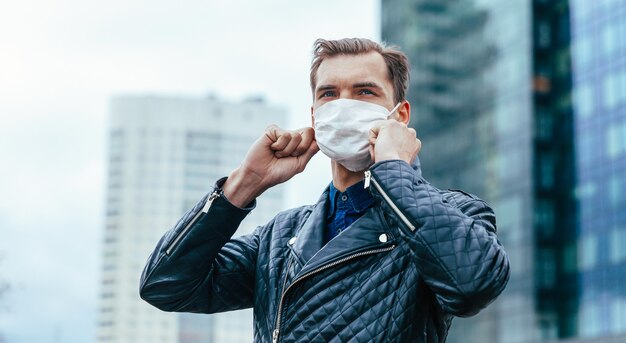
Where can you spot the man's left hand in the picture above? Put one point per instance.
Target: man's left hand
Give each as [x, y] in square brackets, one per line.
[393, 140]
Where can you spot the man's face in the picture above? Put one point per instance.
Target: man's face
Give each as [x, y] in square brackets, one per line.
[360, 77]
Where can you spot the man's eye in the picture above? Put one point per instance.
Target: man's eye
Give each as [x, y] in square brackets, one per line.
[327, 94]
[365, 92]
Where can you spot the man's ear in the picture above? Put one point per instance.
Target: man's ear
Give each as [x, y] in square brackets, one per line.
[312, 117]
[404, 112]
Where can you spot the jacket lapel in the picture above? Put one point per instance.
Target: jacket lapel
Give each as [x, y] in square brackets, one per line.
[310, 237]
[364, 234]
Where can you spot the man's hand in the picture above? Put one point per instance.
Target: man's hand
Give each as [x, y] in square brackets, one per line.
[274, 158]
[393, 140]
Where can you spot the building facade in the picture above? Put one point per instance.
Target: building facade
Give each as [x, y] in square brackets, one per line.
[522, 103]
[165, 153]
[599, 88]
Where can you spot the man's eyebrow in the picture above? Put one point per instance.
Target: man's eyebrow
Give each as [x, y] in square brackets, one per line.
[325, 88]
[368, 84]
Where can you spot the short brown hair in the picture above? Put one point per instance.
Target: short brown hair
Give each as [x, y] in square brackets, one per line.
[396, 60]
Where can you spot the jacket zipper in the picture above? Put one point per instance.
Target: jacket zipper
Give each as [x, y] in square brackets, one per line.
[287, 273]
[205, 209]
[276, 331]
[369, 178]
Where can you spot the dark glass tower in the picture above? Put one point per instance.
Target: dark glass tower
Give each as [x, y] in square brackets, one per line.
[523, 103]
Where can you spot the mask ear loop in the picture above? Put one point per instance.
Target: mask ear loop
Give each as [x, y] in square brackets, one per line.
[394, 109]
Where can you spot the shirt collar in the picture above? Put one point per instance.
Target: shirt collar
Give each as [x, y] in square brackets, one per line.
[357, 196]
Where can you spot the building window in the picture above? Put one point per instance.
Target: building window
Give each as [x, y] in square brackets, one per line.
[587, 251]
[615, 189]
[544, 125]
[107, 295]
[546, 171]
[583, 100]
[587, 147]
[616, 139]
[108, 281]
[611, 90]
[585, 190]
[109, 267]
[569, 258]
[544, 34]
[618, 315]
[582, 52]
[544, 218]
[547, 268]
[609, 39]
[621, 31]
[106, 323]
[614, 87]
[617, 250]
[590, 321]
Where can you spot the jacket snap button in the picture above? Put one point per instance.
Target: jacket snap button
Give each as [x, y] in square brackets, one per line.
[292, 240]
[383, 238]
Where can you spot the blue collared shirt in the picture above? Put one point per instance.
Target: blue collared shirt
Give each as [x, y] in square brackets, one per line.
[344, 208]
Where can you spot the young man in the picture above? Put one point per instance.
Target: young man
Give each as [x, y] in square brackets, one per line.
[383, 255]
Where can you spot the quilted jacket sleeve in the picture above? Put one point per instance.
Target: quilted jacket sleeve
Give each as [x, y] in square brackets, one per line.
[197, 267]
[452, 236]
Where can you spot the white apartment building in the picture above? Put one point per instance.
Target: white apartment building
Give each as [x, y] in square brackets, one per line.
[165, 153]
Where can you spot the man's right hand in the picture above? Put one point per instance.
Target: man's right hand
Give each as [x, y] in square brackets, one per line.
[274, 158]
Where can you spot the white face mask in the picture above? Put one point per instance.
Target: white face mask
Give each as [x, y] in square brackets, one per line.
[342, 127]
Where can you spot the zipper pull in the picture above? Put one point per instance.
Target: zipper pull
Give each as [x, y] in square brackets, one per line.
[368, 176]
[216, 194]
[275, 336]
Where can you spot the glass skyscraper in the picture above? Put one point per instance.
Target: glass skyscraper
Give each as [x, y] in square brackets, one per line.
[524, 104]
[599, 85]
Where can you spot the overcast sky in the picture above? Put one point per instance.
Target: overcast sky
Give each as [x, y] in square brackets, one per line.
[60, 63]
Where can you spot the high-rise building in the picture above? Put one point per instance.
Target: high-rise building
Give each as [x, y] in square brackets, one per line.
[165, 153]
[523, 102]
[598, 32]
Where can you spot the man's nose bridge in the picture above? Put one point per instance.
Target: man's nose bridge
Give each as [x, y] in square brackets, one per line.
[345, 94]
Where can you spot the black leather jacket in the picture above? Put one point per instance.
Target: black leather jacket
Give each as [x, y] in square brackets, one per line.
[400, 273]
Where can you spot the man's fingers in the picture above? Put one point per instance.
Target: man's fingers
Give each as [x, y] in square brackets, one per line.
[283, 138]
[294, 140]
[373, 134]
[304, 159]
[273, 132]
[289, 143]
[308, 135]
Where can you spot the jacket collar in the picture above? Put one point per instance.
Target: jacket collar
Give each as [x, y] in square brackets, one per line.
[364, 234]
